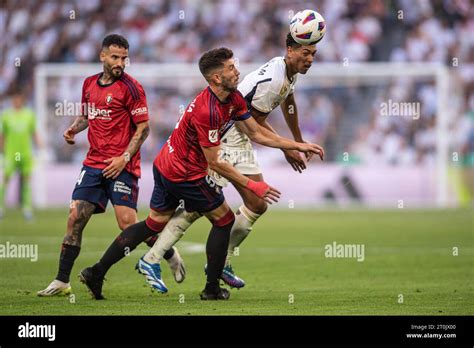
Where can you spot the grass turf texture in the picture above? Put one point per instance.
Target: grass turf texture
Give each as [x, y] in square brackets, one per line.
[407, 253]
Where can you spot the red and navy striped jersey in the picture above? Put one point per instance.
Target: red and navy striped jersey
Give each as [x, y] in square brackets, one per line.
[113, 111]
[203, 123]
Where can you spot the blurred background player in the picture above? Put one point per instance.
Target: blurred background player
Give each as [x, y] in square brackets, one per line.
[17, 129]
[180, 173]
[264, 89]
[117, 118]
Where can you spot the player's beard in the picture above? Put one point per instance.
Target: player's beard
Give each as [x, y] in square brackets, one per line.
[116, 72]
[228, 85]
[113, 72]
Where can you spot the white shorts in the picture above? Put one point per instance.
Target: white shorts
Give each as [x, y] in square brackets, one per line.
[236, 148]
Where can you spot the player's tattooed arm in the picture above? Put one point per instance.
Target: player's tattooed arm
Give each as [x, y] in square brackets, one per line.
[117, 164]
[79, 215]
[142, 132]
[80, 123]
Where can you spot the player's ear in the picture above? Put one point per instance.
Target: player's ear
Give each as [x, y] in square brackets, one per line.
[216, 79]
[102, 56]
[289, 51]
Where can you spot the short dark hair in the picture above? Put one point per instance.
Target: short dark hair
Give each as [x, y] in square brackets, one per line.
[214, 59]
[290, 42]
[115, 39]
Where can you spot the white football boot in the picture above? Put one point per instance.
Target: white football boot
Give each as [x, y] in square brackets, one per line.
[56, 288]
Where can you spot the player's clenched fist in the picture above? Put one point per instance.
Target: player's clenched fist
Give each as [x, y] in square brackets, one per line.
[69, 136]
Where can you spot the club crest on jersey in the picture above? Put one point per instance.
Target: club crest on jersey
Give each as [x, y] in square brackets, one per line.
[109, 98]
[213, 135]
[230, 110]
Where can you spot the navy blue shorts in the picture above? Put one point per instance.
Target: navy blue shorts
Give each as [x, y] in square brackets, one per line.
[91, 186]
[200, 195]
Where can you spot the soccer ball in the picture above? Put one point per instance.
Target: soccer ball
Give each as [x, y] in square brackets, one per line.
[307, 27]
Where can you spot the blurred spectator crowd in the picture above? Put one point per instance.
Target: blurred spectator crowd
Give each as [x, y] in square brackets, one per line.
[159, 31]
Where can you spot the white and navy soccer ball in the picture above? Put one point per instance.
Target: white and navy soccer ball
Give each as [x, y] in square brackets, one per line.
[307, 27]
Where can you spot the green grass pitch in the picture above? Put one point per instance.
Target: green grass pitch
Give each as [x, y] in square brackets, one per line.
[408, 256]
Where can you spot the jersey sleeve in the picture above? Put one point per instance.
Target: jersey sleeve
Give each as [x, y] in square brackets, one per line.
[136, 102]
[262, 99]
[208, 135]
[242, 112]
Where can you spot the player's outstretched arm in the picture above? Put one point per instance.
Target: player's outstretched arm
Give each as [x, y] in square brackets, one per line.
[117, 164]
[80, 123]
[293, 157]
[290, 112]
[264, 137]
[221, 167]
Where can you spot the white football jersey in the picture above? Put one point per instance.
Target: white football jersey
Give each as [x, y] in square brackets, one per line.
[264, 90]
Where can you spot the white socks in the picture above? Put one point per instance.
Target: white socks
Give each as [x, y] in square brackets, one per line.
[182, 220]
[244, 220]
[173, 231]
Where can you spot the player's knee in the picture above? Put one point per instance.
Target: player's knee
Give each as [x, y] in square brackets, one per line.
[257, 206]
[80, 212]
[225, 220]
[126, 220]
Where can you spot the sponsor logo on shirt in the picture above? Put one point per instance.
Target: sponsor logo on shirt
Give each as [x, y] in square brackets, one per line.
[140, 111]
[95, 113]
[213, 135]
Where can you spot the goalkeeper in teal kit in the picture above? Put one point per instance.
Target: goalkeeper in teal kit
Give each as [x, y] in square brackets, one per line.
[17, 129]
